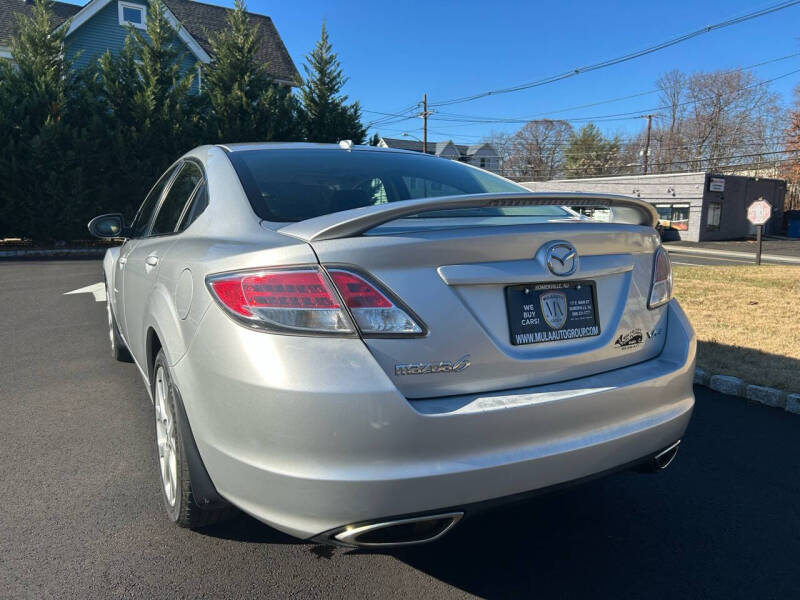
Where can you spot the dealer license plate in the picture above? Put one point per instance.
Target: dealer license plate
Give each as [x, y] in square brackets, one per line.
[549, 312]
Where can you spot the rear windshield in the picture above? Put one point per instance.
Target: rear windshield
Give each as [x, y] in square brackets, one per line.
[297, 184]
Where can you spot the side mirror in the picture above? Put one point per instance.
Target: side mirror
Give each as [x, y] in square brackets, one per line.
[108, 226]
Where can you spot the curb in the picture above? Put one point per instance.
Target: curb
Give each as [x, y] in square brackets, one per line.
[727, 384]
[51, 252]
[792, 260]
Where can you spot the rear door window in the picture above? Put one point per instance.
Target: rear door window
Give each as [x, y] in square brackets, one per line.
[197, 206]
[175, 200]
[145, 212]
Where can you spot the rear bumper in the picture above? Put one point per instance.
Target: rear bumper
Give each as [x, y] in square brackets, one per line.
[310, 435]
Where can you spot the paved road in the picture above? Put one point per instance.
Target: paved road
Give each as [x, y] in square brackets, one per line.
[81, 516]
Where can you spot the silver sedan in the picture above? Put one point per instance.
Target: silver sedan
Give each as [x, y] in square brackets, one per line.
[363, 346]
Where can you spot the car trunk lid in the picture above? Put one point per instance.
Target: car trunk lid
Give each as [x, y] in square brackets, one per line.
[463, 282]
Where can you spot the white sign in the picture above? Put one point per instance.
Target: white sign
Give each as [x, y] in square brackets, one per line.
[716, 184]
[759, 212]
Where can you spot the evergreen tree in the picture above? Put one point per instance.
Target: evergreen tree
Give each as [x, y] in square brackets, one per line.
[590, 153]
[245, 103]
[328, 117]
[375, 139]
[162, 104]
[146, 111]
[41, 189]
[75, 143]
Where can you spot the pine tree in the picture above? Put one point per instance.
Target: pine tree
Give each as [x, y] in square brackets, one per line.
[161, 103]
[328, 117]
[145, 113]
[590, 153]
[245, 102]
[375, 139]
[41, 189]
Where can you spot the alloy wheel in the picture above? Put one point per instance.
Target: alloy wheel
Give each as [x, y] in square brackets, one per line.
[166, 437]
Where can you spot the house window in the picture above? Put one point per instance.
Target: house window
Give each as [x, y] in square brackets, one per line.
[483, 163]
[132, 14]
[714, 215]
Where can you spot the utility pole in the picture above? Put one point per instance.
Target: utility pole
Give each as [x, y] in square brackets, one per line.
[647, 141]
[425, 114]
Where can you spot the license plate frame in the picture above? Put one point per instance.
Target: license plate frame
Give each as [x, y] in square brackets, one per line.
[533, 326]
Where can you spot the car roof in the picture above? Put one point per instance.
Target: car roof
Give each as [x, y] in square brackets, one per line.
[248, 146]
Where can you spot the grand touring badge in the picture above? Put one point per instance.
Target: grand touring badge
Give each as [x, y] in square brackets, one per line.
[424, 368]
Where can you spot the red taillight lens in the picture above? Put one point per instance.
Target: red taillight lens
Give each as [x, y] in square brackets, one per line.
[230, 293]
[299, 300]
[298, 289]
[374, 313]
[303, 300]
[357, 293]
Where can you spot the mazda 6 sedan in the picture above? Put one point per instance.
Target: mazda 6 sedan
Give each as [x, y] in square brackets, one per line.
[363, 346]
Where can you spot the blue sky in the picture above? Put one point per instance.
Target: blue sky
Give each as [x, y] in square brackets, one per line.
[395, 51]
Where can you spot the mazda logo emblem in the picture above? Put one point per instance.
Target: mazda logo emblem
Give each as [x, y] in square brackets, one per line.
[562, 259]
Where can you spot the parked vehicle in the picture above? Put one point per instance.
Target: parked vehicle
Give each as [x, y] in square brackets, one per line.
[362, 346]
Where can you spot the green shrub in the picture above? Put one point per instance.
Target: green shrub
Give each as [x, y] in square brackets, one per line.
[78, 143]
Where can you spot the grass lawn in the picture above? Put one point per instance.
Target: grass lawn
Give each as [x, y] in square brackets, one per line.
[747, 321]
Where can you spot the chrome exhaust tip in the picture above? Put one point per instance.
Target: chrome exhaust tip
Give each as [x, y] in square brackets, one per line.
[399, 532]
[664, 458]
[660, 461]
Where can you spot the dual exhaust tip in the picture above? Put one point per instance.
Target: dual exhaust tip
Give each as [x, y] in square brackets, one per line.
[428, 528]
[401, 532]
[664, 458]
[660, 461]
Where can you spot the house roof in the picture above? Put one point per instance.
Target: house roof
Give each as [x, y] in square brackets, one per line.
[415, 145]
[9, 8]
[433, 147]
[204, 20]
[408, 144]
[200, 20]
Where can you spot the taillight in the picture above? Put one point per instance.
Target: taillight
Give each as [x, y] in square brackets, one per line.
[297, 300]
[303, 300]
[373, 311]
[661, 289]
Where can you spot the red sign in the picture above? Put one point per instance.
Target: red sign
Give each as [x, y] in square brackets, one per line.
[759, 212]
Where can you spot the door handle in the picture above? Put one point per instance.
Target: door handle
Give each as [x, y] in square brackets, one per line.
[123, 260]
[151, 261]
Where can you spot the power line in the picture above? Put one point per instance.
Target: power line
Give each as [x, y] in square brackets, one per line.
[750, 140]
[619, 98]
[623, 58]
[698, 160]
[624, 116]
[391, 118]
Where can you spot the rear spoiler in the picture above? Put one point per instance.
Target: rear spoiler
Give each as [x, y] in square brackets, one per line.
[351, 223]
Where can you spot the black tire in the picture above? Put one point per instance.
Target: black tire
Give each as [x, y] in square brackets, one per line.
[183, 510]
[118, 348]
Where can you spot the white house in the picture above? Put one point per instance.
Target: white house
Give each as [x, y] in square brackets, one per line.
[481, 155]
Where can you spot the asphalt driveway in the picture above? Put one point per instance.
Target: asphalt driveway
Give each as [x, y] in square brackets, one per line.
[81, 515]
